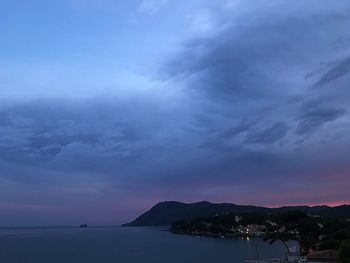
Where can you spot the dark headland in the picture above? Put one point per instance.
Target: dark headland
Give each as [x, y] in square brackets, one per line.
[321, 231]
[166, 213]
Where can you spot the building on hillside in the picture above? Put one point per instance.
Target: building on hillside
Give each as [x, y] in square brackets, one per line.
[252, 230]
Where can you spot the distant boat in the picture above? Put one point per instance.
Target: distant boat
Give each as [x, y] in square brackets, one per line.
[83, 225]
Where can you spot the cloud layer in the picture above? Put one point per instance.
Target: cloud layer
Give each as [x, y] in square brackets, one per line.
[261, 100]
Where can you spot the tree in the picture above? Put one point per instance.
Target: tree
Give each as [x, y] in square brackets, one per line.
[297, 226]
[344, 251]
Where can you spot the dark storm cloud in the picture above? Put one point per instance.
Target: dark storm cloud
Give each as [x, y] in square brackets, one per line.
[252, 70]
[314, 115]
[269, 135]
[246, 74]
[107, 135]
[42, 130]
[339, 70]
[252, 57]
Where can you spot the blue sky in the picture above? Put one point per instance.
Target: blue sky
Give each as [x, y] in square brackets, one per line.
[88, 47]
[107, 107]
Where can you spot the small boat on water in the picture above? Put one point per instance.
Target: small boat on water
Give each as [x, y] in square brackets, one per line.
[83, 225]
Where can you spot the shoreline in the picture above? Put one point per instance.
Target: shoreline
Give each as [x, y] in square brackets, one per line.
[217, 235]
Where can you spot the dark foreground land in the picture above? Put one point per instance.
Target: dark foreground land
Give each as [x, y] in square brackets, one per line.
[312, 232]
[165, 213]
[317, 228]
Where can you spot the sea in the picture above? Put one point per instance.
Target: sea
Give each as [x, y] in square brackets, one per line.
[125, 245]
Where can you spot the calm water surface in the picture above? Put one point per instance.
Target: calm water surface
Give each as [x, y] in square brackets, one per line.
[123, 245]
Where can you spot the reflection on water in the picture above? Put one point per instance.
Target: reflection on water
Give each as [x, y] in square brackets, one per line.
[123, 245]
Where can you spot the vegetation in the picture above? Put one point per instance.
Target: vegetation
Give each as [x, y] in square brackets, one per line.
[344, 251]
[310, 231]
[335, 232]
[165, 213]
[297, 226]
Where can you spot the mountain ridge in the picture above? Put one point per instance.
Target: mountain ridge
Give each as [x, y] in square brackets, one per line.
[166, 212]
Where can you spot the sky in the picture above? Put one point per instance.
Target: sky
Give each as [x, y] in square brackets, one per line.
[108, 107]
